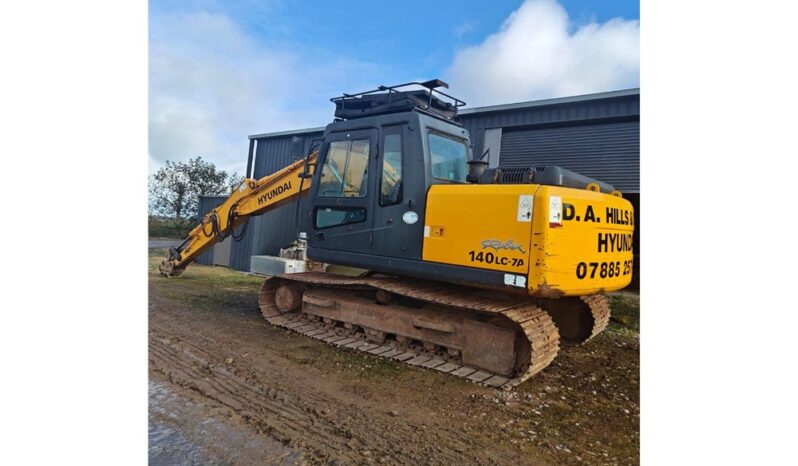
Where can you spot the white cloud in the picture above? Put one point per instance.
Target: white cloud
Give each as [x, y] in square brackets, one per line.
[539, 53]
[211, 85]
[464, 28]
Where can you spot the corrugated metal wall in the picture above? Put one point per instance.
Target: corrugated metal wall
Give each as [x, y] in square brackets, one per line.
[519, 126]
[272, 154]
[206, 204]
[608, 152]
[267, 233]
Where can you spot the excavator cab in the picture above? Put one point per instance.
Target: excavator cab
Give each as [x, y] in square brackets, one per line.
[376, 164]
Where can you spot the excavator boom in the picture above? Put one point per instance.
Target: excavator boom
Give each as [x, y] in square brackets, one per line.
[251, 198]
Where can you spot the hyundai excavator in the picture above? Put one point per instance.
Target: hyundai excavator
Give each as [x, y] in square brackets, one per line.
[477, 272]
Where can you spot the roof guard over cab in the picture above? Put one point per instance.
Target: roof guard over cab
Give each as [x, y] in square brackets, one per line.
[389, 99]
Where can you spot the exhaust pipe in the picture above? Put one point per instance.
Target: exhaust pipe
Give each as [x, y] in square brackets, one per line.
[475, 169]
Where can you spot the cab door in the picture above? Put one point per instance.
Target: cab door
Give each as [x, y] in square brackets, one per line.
[398, 230]
[342, 216]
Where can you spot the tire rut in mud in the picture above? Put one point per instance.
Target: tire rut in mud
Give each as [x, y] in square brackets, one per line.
[324, 428]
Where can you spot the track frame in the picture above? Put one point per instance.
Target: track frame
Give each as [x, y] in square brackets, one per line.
[519, 314]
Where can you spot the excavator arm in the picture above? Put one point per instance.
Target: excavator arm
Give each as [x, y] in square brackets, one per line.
[251, 198]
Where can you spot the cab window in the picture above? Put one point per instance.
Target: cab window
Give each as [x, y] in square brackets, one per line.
[345, 170]
[449, 158]
[391, 183]
[333, 216]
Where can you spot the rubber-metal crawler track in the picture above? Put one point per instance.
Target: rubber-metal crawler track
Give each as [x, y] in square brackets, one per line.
[600, 309]
[535, 323]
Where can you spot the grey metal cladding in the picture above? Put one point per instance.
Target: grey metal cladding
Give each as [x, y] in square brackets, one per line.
[274, 153]
[567, 132]
[267, 233]
[608, 152]
[553, 101]
[206, 204]
[241, 251]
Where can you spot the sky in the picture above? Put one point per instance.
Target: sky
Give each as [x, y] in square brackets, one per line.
[222, 70]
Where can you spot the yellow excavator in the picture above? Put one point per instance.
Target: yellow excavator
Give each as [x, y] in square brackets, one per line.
[472, 271]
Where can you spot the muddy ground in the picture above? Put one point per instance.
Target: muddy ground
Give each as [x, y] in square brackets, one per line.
[228, 388]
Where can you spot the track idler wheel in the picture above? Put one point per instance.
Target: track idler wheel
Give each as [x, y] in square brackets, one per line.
[288, 297]
[278, 296]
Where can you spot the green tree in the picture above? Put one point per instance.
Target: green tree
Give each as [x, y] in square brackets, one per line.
[175, 188]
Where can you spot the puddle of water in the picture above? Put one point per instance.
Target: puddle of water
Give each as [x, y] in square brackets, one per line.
[168, 446]
[182, 432]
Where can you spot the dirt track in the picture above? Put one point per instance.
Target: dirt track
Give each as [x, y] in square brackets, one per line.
[226, 387]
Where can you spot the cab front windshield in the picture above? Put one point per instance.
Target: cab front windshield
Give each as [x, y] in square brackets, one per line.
[449, 158]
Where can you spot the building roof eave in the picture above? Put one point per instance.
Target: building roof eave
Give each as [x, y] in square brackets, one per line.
[554, 101]
[294, 132]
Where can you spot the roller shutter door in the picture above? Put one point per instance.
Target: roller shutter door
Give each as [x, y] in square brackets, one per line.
[609, 152]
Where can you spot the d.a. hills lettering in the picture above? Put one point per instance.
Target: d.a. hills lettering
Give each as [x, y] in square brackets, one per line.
[615, 216]
[569, 213]
[618, 216]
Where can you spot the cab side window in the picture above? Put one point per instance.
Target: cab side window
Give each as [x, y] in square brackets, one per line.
[345, 170]
[449, 158]
[391, 183]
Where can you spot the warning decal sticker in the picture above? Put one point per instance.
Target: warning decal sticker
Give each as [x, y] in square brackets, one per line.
[525, 208]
